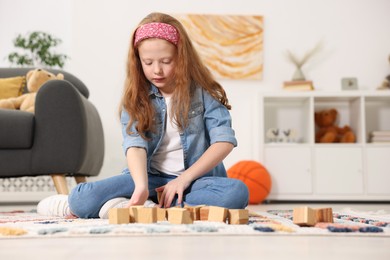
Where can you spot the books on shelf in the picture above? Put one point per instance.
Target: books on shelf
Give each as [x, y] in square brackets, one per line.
[380, 136]
[297, 85]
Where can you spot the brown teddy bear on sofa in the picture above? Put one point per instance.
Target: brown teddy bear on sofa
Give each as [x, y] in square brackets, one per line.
[328, 132]
[26, 102]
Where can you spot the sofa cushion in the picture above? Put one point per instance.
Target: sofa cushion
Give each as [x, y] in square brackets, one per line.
[11, 87]
[16, 129]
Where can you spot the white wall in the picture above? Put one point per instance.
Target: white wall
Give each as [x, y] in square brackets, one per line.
[96, 33]
[23, 16]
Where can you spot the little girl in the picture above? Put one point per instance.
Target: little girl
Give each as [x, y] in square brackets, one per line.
[176, 131]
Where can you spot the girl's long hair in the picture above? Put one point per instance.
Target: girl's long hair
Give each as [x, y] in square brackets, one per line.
[189, 69]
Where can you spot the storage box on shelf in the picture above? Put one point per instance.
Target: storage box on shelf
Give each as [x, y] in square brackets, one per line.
[304, 170]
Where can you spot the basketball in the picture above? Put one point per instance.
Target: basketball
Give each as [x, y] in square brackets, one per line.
[256, 178]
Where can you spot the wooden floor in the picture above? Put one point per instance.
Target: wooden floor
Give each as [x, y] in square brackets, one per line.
[206, 247]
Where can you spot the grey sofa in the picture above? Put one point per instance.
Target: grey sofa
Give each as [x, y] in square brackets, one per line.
[63, 138]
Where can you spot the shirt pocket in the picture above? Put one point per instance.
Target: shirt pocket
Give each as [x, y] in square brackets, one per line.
[195, 118]
[157, 129]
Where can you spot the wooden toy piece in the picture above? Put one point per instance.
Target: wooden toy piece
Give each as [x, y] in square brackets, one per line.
[238, 216]
[118, 216]
[161, 214]
[133, 213]
[304, 216]
[217, 214]
[204, 213]
[159, 194]
[179, 216]
[147, 215]
[194, 211]
[324, 215]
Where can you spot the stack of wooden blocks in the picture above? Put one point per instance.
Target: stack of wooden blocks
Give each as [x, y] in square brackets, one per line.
[175, 215]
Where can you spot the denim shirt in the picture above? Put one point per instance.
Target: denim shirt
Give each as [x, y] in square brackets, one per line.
[209, 123]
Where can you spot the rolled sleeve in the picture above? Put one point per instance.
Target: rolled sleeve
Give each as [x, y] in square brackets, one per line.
[218, 122]
[223, 134]
[130, 140]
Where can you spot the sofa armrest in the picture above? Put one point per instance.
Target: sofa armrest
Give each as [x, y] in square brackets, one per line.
[68, 134]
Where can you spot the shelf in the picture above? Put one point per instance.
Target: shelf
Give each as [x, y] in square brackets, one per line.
[349, 112]
[278, 111]
[377, 114]
[305, 170]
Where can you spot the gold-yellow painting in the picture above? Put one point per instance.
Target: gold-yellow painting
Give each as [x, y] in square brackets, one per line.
[230, 45]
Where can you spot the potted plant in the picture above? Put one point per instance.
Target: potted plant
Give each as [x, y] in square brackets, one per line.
[37, 51]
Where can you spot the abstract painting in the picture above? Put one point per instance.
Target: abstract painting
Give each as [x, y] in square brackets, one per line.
[231, 46]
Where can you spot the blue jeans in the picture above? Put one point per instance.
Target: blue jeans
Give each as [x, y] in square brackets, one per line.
[86, 199]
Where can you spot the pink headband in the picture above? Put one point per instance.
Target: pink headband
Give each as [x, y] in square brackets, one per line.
[157, 30]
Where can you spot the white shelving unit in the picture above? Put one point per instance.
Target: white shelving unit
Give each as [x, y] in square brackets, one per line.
[305, 170]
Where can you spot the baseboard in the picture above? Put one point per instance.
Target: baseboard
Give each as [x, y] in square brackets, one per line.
[24, 197]
[28, 189]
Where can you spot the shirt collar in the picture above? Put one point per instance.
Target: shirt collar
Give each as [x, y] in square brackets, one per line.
[153, 90]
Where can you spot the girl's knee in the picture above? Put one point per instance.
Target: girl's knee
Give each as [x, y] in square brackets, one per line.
[236, 195]
[241, 194]
[82, 203]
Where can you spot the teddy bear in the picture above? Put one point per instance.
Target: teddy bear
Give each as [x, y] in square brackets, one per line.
[386, 82]
[26, 102]
[328, 132]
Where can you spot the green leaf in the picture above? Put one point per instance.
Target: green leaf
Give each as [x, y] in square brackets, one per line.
[39, 48]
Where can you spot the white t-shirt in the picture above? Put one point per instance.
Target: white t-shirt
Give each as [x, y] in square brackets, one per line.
[169, 157]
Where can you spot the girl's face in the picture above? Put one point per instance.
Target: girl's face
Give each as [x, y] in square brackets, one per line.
[158, 58]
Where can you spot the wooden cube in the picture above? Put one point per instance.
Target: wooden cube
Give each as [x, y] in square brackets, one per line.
[324, 215]
[159, 194]
[147, 215]
[194, 211]
[238, 216]
[118, 216]
[304, 216]
[204, 213]
[179, 216]
[161, 214]
[217, 214]
[133, 213]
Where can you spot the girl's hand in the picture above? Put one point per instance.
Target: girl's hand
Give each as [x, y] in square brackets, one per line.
[140, 195]
[176, 186]
[210, 159]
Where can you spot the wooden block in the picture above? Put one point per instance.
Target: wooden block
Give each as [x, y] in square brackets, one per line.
[217, 214]
[324, 215]
[118, 216]
[195, 211]
[304, 216]
[147, 215]
[204, 213]
[133, 214]
[159, 194]
[179, 216]
[161, 214]
[238, 216]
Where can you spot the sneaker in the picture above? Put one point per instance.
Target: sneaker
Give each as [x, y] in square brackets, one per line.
[56, 206]
[113, 203]
[119, 203]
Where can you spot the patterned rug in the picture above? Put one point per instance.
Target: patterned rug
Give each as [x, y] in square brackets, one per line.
[21, 224]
